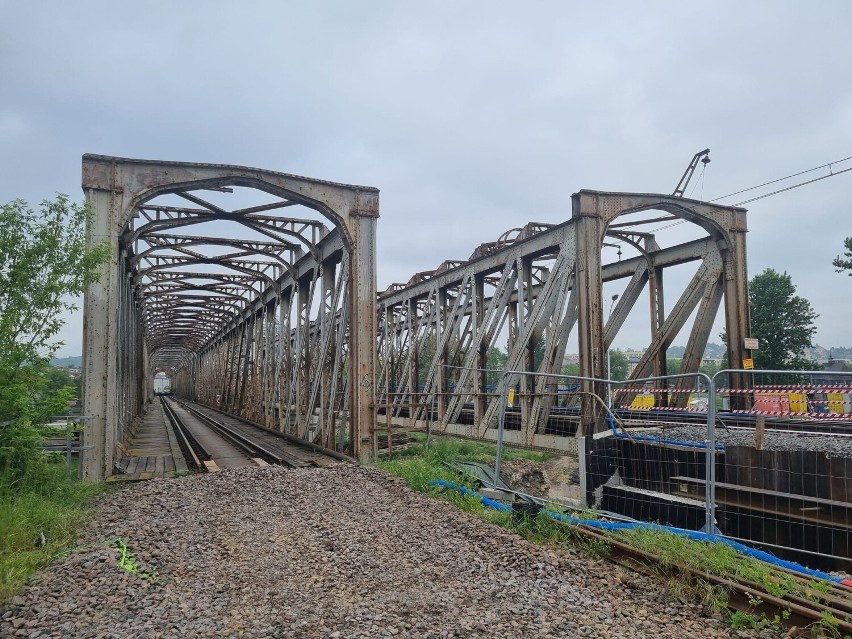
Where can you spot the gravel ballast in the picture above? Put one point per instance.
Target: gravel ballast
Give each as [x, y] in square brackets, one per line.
[833, 446]
[345, 551]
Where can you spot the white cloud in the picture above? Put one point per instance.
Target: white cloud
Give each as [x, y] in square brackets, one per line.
[471, 118]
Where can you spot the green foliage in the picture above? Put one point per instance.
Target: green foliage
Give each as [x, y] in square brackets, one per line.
[61, 380]
[620, 365]
[419, 465]
[673, 366]
[129, 563]
[43, 260]
[37, 520]
[740, 620]
[44, 263]
[496, 361]
[572, 369]
[783, 321]
[710, 369]
[842, 264]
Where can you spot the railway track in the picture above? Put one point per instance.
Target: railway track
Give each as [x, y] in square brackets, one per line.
[212, 440]
[826, 607]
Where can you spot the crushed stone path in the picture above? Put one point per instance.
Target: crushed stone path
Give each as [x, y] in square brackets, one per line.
[337, 552]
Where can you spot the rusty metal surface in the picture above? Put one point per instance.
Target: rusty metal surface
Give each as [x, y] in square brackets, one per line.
[266, 310]
[539, 284]
[280, 322]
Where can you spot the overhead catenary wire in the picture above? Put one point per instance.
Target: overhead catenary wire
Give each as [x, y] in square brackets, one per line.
[828, 165]
[795, 186]
[787, 177]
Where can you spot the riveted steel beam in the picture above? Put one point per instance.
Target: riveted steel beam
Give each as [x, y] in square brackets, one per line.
[541, 285]
[269, 322]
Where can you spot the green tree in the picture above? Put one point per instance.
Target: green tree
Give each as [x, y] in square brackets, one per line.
[496, 361]
[572, 369]
[783, 321]
[620, 365]
[845, 264]
[673, 366]
[710, 368]
[44, 264]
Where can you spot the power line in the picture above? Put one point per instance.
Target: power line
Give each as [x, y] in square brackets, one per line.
[752, 188]
[795, 186]
[831, 173]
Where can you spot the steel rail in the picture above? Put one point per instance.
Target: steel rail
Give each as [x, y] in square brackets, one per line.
[187, 442]
[744, 595]
[245, 444]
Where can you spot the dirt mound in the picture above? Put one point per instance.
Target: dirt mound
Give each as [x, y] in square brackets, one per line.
[526, 476]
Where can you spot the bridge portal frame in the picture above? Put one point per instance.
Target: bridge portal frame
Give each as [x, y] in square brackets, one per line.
[113, 343]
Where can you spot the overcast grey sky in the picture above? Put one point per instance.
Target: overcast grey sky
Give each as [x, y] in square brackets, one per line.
[471, 117]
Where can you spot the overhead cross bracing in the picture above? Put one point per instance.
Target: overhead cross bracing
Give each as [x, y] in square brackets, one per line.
[265, 310]
[539, 286]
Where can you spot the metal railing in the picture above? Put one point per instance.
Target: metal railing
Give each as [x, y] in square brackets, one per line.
[72, 445]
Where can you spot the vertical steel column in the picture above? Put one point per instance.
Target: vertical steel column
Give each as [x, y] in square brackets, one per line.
[325, 366]
[737, 318]
[479, 345]
[100, 340]
[362, 296]
[526, 302]
[590, 229]
[439, 355]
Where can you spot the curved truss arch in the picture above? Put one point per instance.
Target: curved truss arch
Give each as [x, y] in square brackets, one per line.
[249, 308]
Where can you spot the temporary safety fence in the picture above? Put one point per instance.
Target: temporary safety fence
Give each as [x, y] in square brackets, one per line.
[691, 452]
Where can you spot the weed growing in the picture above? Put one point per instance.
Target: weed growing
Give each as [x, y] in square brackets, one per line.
[420, 466]
[128, 562]
[37, 519]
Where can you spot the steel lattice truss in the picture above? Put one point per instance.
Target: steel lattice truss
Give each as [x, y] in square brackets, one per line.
[246, 308]
[537, 284]
[248, 325]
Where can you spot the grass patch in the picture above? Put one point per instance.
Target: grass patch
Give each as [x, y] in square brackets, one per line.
[451, 449]
[676, 553]
[714, 558]
[37, 520]
[420, 466]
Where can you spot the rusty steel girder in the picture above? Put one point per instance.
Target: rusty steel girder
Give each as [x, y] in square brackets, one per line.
[538, 283]
[272, 319]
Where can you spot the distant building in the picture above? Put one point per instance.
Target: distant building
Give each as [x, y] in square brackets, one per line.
[571, 358]
[835, 365]
[633, 360]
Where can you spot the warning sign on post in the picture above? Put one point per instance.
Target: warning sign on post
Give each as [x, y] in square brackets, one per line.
[748, 364]
[751, 343]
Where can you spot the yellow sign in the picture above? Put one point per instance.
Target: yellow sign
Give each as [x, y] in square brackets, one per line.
[511, 397]
[748, 364]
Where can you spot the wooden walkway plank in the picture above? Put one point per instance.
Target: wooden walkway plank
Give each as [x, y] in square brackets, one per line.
[153, 451]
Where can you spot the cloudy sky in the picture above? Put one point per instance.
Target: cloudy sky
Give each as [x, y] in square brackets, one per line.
[471, 117]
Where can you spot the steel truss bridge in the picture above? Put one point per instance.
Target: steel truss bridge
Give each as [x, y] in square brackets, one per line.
[270, 312]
